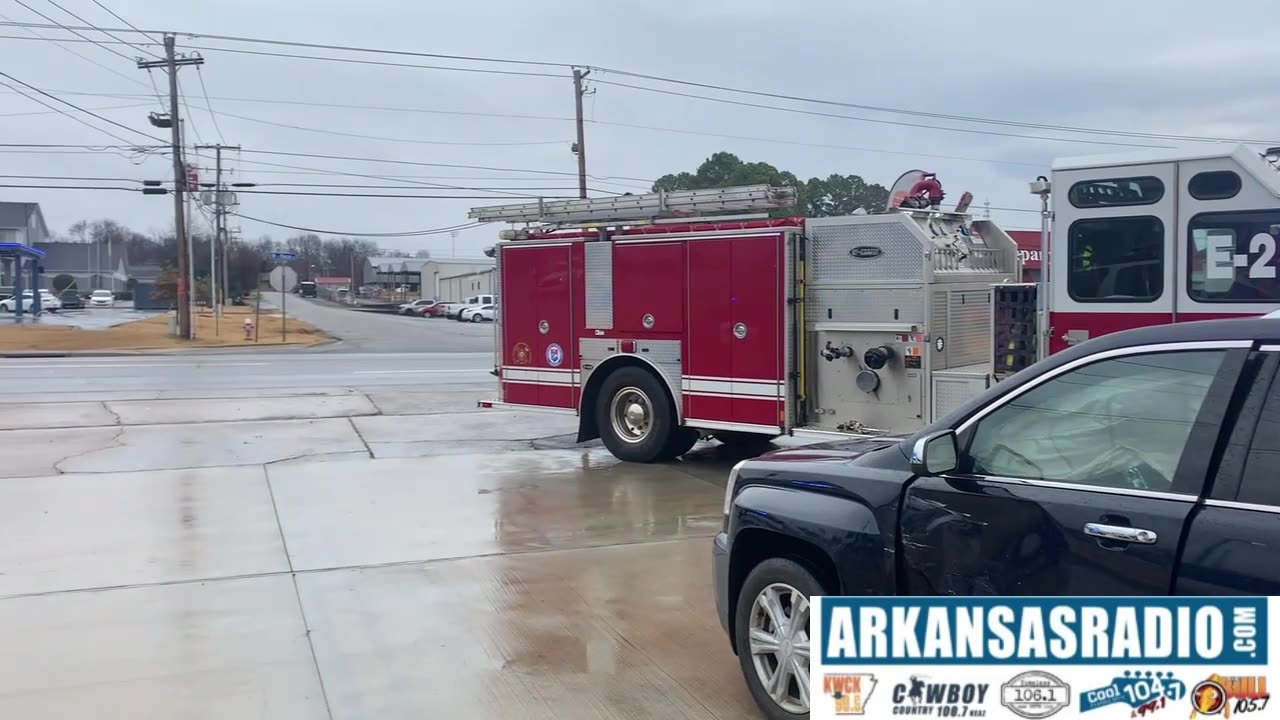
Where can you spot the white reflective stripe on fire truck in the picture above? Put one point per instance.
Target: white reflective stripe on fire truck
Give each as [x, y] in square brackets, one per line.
[695, 385]
[540, 376]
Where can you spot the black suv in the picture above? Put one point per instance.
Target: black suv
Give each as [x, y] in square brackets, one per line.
[1144, 462]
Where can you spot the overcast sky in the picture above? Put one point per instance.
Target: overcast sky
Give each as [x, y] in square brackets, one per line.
[1175, 66]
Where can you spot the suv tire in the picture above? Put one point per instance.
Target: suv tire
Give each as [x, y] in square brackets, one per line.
[776, 575]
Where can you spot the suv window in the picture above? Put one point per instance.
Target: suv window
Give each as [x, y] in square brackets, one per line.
[1118, 423]
[1260, 484]
[1118, 259]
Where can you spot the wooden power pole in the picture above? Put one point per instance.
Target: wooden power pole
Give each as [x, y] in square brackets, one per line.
[580, 147]
[171, 62]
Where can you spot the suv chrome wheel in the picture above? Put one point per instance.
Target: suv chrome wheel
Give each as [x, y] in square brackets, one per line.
[778, 636]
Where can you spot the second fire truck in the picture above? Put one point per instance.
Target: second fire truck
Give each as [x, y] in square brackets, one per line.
[658, 319]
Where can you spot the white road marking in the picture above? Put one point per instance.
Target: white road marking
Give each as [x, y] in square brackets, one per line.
[60, 366]
[429, 372]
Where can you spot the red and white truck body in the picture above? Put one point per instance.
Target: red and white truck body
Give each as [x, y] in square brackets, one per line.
[656, 330]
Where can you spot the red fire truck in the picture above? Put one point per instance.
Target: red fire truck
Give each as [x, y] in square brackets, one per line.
[661, 318]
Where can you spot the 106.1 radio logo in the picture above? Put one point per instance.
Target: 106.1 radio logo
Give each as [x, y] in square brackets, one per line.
[919, 697]
[1144, 692]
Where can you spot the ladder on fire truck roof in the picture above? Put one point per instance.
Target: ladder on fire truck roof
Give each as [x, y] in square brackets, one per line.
[641, 208]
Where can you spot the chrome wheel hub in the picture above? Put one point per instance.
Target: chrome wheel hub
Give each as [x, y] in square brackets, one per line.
[778, 638]
[631, 413]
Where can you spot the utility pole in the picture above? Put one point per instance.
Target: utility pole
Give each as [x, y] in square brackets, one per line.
[580, 147]
[171, 63]
[219, 228]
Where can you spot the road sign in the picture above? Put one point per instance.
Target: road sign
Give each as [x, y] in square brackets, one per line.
[284, 256]
[283, 279]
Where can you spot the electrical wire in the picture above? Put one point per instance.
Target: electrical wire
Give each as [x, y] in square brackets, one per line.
[55, 112]
[448, 165]
[208, 105]
[82, 121]
[126, 22]
[411, 233]
[687, 83]
[382, 63]
[362, 136]
[809, 144]
[897, 123]
[190, 119]
[68, 28]
[406, 197]
[164, 109]
[104, 32]
[61, 44]
[77, 107]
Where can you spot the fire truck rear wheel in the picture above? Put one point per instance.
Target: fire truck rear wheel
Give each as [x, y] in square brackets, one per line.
[635, 416]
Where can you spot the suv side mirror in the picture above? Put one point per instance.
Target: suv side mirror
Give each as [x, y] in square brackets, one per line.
[935, 454]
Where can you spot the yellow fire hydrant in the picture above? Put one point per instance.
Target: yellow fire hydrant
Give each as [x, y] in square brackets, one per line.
[248, 328]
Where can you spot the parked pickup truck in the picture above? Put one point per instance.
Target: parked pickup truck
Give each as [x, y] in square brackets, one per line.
[1144, 462]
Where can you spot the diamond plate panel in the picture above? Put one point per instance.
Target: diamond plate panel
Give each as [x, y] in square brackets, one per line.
[864, 305]
[937, 327]
[969, 323]
[829, 262]
[599, 285]
[664, 354]
[951, 393]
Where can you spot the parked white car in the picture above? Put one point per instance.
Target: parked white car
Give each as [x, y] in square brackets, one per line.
[47, 302]
[455, 309]
[478, 314]
[102, 298]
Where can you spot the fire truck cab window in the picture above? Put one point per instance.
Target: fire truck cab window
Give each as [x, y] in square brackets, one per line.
[1233, 257]
[1115, 192]
[1216, 185]
[1118, 259]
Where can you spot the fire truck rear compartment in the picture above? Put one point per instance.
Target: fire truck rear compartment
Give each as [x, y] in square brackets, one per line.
[897, 317]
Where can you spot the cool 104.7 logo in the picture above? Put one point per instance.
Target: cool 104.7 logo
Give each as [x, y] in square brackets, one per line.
[1143, 691]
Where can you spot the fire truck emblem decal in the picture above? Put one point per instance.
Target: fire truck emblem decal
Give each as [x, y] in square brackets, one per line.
[520, 354]
[865, 252]
[555, 355]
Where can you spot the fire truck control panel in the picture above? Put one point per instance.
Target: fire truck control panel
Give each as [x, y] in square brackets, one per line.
[661, 318]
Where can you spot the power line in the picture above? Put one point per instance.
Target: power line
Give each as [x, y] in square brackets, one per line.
[658, 78]
[878, 121]
[403, 196]
[126, 22]
[411, 233]
[809, 144]
[915, 113]
[362, 136]
[190, 119]
[61, 44]
[82, 121]
[208, 105]
[68, 28]
[55, 112]
[104, 32]
[77, 107]
[448, 165]
[382, 63]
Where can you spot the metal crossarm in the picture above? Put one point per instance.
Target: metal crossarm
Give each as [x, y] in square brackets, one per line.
[650, 206]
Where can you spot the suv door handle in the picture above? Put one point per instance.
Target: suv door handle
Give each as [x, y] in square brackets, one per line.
[1121, 533]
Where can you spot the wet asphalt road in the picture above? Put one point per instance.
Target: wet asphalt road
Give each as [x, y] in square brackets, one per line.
[322, 536]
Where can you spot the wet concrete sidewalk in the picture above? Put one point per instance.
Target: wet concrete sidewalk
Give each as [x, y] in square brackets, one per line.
[347, 552]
